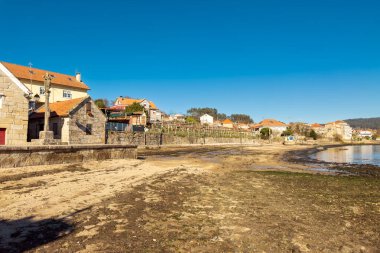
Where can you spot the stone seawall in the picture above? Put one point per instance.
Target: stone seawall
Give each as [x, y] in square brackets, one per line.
[150, 139]
[17, 156]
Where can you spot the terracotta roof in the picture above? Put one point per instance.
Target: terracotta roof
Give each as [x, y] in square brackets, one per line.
[270, 123]
[60, 109]
[316, 125]
[23, 72]
[336, 122]
[227, 121]
[129, 101]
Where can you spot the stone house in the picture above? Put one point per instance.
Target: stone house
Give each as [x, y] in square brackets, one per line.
[74, 121]
[63, 87]
[340, 129]
[154, 114]
[207, 119]
[14, 106]
[276, 126]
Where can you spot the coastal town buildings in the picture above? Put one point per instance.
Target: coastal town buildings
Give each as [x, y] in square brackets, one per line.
[154, 114]
[74, 121]
[338, 129]
[276, 126]
[63, 87]
[318, 128]
[207, 119]
[227, 123]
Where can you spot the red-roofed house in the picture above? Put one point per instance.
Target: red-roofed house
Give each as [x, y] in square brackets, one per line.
[276, 126]
[155, 115]
[74, 121]
[227, 123]
[63, 87]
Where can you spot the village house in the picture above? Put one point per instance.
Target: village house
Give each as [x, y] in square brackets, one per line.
[154, 114]
[22, 93]
[74, 121]
[276, 126]
[318, 128]
[207, 119]
[362, 133]
[338, 129]
[227, 123]
[14, 107]
[63, 87]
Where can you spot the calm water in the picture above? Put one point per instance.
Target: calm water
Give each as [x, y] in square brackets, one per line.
[363, 154]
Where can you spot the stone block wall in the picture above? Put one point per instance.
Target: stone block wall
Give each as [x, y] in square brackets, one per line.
[78, 121]
[13, 112]
[17, 156]
[169, 139]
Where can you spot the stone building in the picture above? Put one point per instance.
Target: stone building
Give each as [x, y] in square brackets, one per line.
[338, 129]
[74, 121]
[63, 87]
[14, 105]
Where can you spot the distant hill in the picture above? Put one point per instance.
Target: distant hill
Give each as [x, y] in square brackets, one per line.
[373, 123]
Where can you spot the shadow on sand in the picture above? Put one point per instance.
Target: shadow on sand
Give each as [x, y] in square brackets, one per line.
[28, 233]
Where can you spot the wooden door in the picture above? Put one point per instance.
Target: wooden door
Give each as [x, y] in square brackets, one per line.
[2, 136]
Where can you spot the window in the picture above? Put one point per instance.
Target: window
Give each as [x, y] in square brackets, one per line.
[88, 129]
[88, 107]
[1, 100]
[67, 94]
[42, 90]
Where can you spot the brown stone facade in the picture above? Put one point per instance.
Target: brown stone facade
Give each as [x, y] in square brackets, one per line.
[18, 156]
[80, 119]
[84, 124]
[13, 112]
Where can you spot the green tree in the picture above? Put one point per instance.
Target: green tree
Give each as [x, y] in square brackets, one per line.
[101, 103]
[241, 118]
[287, 132]
[198, 112]
[191, 120]
[313, 134]
[135, 107]
[265, 133]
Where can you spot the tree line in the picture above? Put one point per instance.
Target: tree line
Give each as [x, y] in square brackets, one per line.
[196, 113]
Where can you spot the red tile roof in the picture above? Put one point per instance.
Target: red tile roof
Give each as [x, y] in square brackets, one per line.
[60, 109]
[23, 72]
[227, 121]
[270, 123]
[129, 101]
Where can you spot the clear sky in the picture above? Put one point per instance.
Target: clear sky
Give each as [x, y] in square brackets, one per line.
[306, 60]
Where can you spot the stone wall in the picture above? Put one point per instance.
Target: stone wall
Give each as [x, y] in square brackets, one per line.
[13, 112]
[169, 139]
[17, 156]
[78, 121]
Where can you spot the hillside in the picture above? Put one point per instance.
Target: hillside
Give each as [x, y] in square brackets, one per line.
[373, 123]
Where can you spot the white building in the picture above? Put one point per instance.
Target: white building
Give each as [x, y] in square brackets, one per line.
[276, 126]
[339, 128]
[207, 119]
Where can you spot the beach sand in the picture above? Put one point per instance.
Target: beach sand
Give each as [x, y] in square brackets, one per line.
[189, 199]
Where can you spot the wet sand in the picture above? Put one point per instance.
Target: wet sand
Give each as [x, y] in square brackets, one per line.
[190, 199]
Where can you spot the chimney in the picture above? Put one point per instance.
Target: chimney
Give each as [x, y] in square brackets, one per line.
[78, 77]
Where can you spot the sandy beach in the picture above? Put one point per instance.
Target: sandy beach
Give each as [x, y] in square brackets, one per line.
[190, 199]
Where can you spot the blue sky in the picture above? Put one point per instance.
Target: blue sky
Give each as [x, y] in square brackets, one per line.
[313, 61]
